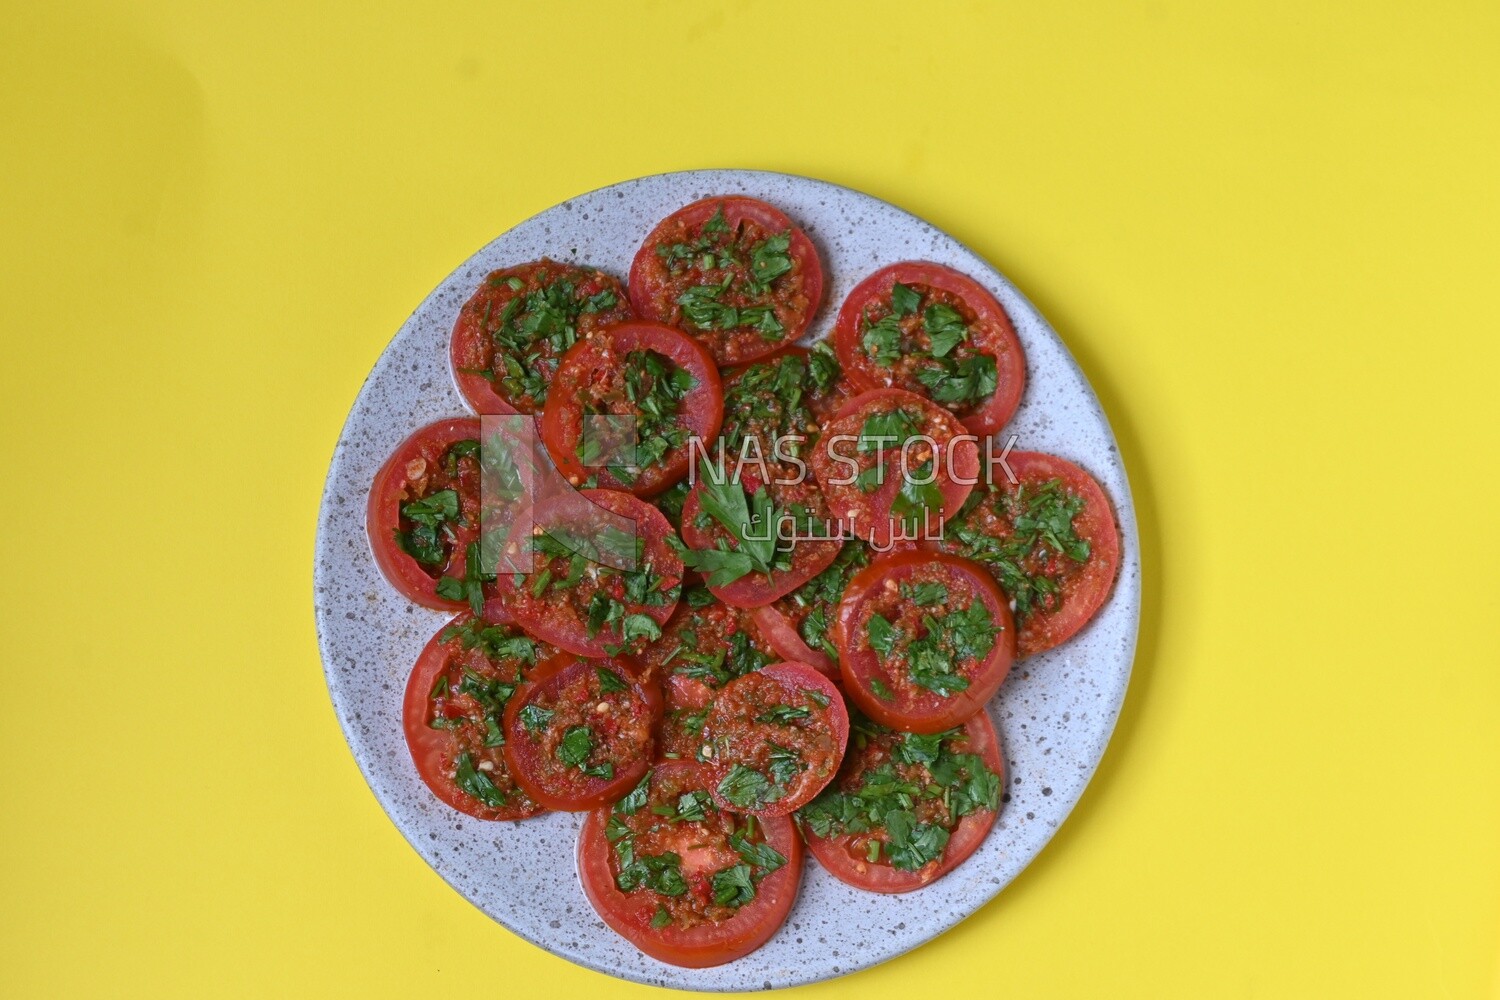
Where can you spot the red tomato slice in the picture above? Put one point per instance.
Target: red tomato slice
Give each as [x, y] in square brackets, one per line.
[450, 714]
[551, 761]
[595, 378]
[690, 929]
[720, 246]
[844, 855]
[512, 331]
[783, 397]
[897, 686]
[705, 646]
[896, 508]
[908, 347]
[592, 615]
[1053, 594]
[806, 558]
[777, 736]
[809, 614]
[419, 470]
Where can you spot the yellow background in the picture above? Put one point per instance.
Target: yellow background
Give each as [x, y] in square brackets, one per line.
[1268, 233]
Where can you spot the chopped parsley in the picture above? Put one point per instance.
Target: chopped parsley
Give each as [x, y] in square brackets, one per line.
[476, 783]
[532, 326]
[1042, 525]
[923, 776]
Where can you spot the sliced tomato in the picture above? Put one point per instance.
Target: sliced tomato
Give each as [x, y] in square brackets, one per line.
[800, 625]
[1056, 579]
[869, 859]
[683, 881]
[453, 711]
[937, 332]
[579, 733]
[775, 738]
[705, 646]
[423, 517]
[586, 605]
[894, 465]
[798, 512]
[656, 376]
[924, 640]
[734, 272]
[779, 402]
[510, 334]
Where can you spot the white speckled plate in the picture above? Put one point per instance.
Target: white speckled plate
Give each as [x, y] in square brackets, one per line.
[1055, 712]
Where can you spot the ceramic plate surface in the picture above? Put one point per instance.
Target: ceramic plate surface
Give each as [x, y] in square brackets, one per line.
[1054, 714]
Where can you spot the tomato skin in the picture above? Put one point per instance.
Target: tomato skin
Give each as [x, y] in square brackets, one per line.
[998, 336]
[471, 345]
[708, 944]
[793, 677]
[701, 411]
[851, 868]
[753, 590]
[428, 745]
[649, 279]
[544, 619]
[857, 664]
[1084, 594]
[383, 516]
[787, 641]
[871, 513]
[554, 673]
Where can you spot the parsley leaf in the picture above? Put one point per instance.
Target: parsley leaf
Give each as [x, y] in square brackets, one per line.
[747, 788]
[476, 783]
[577, 743]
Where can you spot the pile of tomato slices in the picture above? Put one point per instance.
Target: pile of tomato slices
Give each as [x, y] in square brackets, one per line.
[770, 590]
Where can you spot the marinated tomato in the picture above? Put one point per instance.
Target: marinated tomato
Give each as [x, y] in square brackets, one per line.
[774, 738]
[800, 625]
[625, 404]
[931, 330]
[579, 733]
[734, 272]
[512, 331]
[778, 404]
[706, 644]
[906, 808]
[756, 540]
[604, 577]
[683, 881]
[924, 641]
[452, 715]
[893, 466]
[423, 517]
[1049, 539]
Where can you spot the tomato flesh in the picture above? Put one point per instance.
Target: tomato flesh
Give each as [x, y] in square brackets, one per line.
[946, 818]
[734, 272]
[794, 562]
[588, 606]
[800, 625]
[626, 402]
[452, 714]
[510, 334]
[683, 881]
[1050, 540]
[580, 732]
[936, 332]
[894, 465]
[705, 646]
[423, 517]
[775, 738]
[924, 641]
